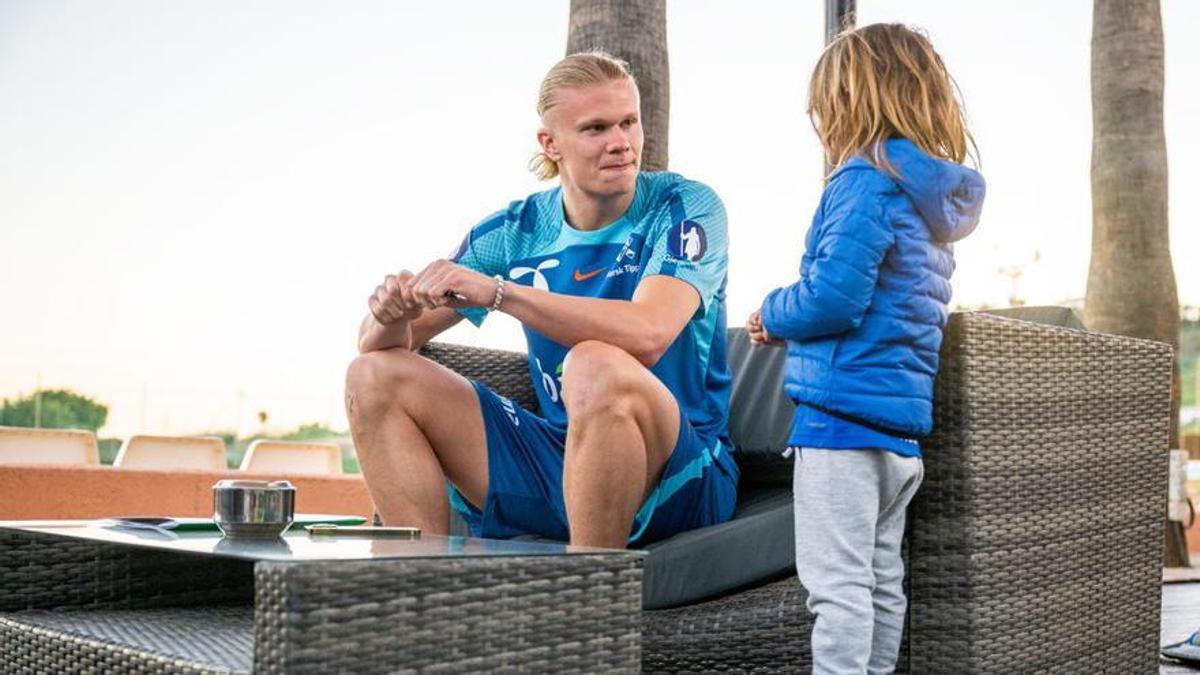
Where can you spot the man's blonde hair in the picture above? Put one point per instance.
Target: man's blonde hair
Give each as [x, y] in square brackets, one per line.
[577, 70]
[885, 81]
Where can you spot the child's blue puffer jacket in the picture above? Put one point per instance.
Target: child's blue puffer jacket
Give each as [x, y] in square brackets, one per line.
[864, 322]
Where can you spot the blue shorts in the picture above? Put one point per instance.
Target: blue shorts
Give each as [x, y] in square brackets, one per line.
[525, 474]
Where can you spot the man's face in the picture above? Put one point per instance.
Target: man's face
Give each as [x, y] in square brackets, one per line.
[595, 135]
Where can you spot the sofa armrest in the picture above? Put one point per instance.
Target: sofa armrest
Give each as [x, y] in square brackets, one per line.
[1036, 540]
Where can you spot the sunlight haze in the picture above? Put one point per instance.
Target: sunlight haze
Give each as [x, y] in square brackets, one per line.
[196, 198]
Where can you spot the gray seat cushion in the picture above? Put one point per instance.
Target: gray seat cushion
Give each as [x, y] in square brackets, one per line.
[756, 544]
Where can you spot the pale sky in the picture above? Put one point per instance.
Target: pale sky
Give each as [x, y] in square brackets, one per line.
[196, 197]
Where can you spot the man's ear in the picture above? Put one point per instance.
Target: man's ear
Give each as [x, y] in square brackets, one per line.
[549, 146]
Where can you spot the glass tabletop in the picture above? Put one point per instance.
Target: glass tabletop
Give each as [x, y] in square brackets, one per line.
[298, 545]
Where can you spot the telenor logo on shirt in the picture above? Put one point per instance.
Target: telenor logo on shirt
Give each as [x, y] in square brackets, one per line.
[539, 279]
[688, 241]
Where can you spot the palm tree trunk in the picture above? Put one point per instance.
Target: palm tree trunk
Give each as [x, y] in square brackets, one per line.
[1131, 281]
[636, 31]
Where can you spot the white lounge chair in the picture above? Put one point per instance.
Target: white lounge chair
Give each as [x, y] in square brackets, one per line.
[21, 445]
[200, 453]
[291, 457]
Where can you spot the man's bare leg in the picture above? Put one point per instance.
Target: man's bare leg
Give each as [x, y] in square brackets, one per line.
[415, 425]
[622, 428]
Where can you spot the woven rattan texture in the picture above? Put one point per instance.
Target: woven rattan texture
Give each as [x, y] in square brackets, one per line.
[177, 640]
[1036, 540]
[763, 630]
[560, 614]
[504, 372]
[39, 571]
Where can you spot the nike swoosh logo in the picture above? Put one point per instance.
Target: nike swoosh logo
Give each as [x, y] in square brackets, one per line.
[587, 275]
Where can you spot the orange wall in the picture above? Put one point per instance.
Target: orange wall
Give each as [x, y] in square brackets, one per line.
[1191, 443]
[34, 492]
[1192, 535]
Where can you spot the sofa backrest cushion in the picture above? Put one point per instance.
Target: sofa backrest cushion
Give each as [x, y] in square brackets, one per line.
[760, 414]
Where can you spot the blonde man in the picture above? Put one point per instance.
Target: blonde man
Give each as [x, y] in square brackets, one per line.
[618, 277]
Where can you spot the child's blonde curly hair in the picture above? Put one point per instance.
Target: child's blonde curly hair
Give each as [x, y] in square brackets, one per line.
[885, 81]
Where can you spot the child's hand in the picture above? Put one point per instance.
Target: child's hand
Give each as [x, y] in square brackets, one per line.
[758, 334]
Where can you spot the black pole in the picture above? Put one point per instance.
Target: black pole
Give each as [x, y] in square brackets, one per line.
[839, 16]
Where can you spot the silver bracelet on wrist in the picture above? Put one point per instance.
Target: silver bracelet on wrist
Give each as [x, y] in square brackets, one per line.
[499, 293]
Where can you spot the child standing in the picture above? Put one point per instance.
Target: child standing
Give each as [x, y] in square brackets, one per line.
[863, 326]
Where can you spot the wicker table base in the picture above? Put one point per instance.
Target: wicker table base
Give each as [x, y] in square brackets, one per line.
[71, 605]
[178, 640]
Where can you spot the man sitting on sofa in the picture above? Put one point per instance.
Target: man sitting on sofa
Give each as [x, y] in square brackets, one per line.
[618, 277]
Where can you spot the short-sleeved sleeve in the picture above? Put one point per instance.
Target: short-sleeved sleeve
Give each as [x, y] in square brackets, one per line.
[483, 251]
[690, 241]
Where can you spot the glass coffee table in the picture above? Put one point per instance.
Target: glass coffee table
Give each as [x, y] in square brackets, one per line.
[80, 596]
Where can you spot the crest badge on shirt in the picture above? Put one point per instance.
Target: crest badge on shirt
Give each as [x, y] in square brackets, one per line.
[688, 241]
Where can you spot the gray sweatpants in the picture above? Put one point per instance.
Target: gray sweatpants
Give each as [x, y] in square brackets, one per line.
[850, 507]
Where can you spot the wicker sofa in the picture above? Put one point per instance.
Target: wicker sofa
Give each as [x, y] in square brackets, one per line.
[1035, 543]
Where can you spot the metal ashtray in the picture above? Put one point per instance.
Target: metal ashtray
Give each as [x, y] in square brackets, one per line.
[254, 509]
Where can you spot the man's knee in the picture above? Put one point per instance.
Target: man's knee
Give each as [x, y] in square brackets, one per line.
[374, 379]
[600, 378]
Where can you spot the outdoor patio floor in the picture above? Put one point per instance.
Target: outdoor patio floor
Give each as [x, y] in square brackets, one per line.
[1180, 617]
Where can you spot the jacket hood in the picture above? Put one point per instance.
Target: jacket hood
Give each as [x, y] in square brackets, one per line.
[949, 196]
